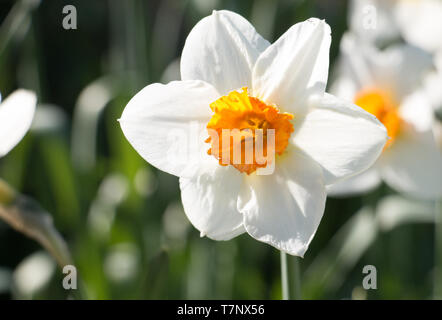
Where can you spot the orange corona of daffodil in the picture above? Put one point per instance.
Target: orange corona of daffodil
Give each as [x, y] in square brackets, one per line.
[239, 111]
[382, 106]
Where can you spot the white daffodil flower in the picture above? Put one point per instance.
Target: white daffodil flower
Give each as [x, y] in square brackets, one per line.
[233, 79]
[16, 114]
[385, 83]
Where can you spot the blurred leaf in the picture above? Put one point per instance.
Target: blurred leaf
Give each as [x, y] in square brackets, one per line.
[329, 269]
[17, 22]
[393, 211]
[61, 180]
[90, 105]
[154, 285]
[26, 216]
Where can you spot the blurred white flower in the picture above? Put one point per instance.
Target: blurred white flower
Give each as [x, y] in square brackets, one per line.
[433, 89]
[16, 114]
[386, 84]
[283, 89]
[420, 22]
[175, 224]
[121, 263]
[433, 84]
[49, 118]
[373, 20]
[33, 274]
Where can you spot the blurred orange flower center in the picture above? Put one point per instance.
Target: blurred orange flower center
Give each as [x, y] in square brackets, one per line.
[383, 106]
[241, 125]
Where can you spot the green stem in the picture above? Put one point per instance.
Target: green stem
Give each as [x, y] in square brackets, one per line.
[297, 295]
[284, 276]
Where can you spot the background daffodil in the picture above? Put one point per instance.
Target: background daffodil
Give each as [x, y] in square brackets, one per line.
[388, 84]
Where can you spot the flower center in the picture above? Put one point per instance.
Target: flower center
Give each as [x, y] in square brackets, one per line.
[246, 132]
[382, 106]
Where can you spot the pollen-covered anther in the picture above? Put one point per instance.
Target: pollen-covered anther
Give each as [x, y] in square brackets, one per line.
[255, 131]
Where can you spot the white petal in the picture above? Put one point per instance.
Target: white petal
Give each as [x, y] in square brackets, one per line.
[433, 85]
[209, 202]
[357, 63]
[221, 49]
[416, 109]
[284, 209]
[413, 165]
[361, 183]
[16, 114]
[166, 124]
[420, 22]
[341, 137]
[394, 66]
[395, 210]
[344, 87]
[372, 20]
[388, 70]
[295, 67]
